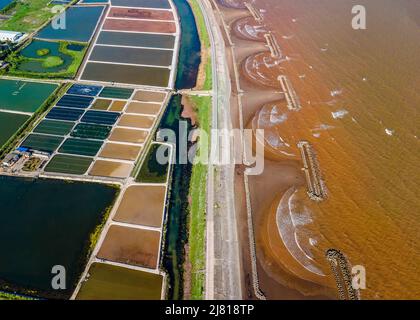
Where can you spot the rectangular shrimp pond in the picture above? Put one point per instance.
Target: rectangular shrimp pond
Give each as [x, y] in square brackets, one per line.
[10, 124]
[47, 223]
[80, 24]
[24, 96]
[109, 282]
[18, 101]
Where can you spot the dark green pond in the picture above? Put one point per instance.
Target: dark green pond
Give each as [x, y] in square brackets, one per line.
[44, 223]
[152, 171]
[10, 124]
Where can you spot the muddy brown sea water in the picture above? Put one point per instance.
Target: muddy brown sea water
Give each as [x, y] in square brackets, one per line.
[358, 95]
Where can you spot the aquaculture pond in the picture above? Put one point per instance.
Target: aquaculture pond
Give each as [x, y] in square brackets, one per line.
[4, 3]
[24, 96]
[152, 171]
[116, 283]
[80, 24]
[45, 223]
[147, 40]
[10, 124]
[50, 57]
[128, 74]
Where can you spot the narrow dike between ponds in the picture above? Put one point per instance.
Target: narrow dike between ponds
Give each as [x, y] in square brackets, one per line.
[176, 226]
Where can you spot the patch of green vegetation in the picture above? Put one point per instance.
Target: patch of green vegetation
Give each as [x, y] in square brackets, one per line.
[208, 83]
[27, 15]
[197, 209]
[52, 61]
[42, 52]
[11, 296]
[76, 55]
[202, 107]
[206, 66]
[94, 236]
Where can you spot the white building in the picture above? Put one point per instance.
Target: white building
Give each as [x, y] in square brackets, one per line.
[11, 36]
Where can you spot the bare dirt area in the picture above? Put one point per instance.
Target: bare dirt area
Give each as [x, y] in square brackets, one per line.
[142, 204]
[188, 111]
[132, 246]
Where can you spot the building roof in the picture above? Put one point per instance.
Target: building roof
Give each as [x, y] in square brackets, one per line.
[6, 35]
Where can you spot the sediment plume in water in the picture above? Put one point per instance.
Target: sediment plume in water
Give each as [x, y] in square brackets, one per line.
[262, 69]
[248, 29]
[366, 147]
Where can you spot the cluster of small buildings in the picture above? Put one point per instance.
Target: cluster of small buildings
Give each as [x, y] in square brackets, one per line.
[15, 160]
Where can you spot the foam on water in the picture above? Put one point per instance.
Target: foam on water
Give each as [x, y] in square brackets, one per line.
[340, 114]
[287, 222]
[276, 117]
[389, 132]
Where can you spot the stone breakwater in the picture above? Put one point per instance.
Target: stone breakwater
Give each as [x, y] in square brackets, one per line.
[341, 270]
[316, 190]
[293, 102]
[254, 12]
[273, 45]
[252, 246]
